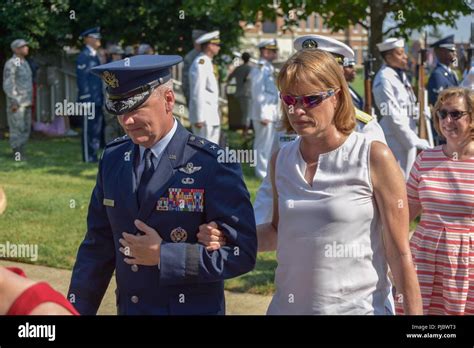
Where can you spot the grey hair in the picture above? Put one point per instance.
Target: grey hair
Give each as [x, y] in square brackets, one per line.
[161, 89]
[168, 85]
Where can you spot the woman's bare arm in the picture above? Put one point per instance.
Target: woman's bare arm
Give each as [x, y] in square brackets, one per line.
[390, 194]
[12, 286]
[267, 233]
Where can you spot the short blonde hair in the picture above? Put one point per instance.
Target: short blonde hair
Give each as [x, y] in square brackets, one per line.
[452, 92]
[320, 69]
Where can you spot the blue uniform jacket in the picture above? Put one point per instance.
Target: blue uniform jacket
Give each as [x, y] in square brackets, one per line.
[440, 79]
[89, 85]
[189, 279]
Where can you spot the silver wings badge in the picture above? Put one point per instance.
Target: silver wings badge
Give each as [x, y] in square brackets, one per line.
[190, 169]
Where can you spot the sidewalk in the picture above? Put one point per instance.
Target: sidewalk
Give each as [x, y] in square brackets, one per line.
[236, 303]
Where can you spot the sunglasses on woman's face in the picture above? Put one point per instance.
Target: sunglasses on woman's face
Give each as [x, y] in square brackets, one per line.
[308, 101]
[455, 115]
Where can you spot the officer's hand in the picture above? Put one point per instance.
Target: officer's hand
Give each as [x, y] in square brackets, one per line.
[211, 237]
[143, 250]
[14, 108]
[265, 122]
[199, 124]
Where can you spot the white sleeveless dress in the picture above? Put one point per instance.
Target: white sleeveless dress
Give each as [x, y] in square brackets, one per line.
[330, 253]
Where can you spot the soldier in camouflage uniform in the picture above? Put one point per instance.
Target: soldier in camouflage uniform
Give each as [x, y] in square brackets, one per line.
[18, 87]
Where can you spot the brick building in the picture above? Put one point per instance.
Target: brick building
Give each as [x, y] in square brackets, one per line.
[355, 36]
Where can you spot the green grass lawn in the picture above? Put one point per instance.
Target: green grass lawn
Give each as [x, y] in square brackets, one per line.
[48, 197]
[358, 83]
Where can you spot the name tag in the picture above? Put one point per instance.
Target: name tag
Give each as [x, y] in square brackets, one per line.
[181, 199]
[286, 138]
[109, 202]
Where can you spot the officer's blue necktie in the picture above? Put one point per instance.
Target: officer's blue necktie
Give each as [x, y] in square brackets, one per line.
[146, 175]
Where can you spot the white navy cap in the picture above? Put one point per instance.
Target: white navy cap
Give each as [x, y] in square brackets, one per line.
[349, 62]
[270, 44]
[390, 44]
[212, 37]
[323, 43]
[328, 44]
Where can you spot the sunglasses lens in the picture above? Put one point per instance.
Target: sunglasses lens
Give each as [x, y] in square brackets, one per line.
[288, 99]
[442, 114]
[311, 101]
[455, 115]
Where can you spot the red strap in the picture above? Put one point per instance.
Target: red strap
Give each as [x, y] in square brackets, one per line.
[35, 295]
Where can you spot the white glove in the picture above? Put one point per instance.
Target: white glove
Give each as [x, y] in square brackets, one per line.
[423, 144]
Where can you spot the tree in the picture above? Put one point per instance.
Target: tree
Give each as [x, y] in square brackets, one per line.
[406, 15]
[40, 23]
[167, 24]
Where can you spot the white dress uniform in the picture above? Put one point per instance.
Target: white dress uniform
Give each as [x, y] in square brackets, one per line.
[368, 125]
[396, 103]
[204, 98]
[264, 107]
[468, 81]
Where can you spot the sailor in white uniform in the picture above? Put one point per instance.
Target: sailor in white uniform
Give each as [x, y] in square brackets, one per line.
[204, 90]
[397, 105]
[264, 111]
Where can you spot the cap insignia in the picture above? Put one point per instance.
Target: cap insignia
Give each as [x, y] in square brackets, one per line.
[110, 79]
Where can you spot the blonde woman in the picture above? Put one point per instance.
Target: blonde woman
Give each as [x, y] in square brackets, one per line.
[333, 189]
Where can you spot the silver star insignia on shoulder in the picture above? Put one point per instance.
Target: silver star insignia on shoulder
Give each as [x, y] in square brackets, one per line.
[190, 168]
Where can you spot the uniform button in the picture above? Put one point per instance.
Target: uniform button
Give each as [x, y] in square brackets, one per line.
[134, 268]
[134, 299]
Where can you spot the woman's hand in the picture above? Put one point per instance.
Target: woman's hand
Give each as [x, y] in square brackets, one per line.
[211, 237]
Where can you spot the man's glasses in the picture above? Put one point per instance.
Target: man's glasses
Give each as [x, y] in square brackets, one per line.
[455, 115]
[308, 101]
